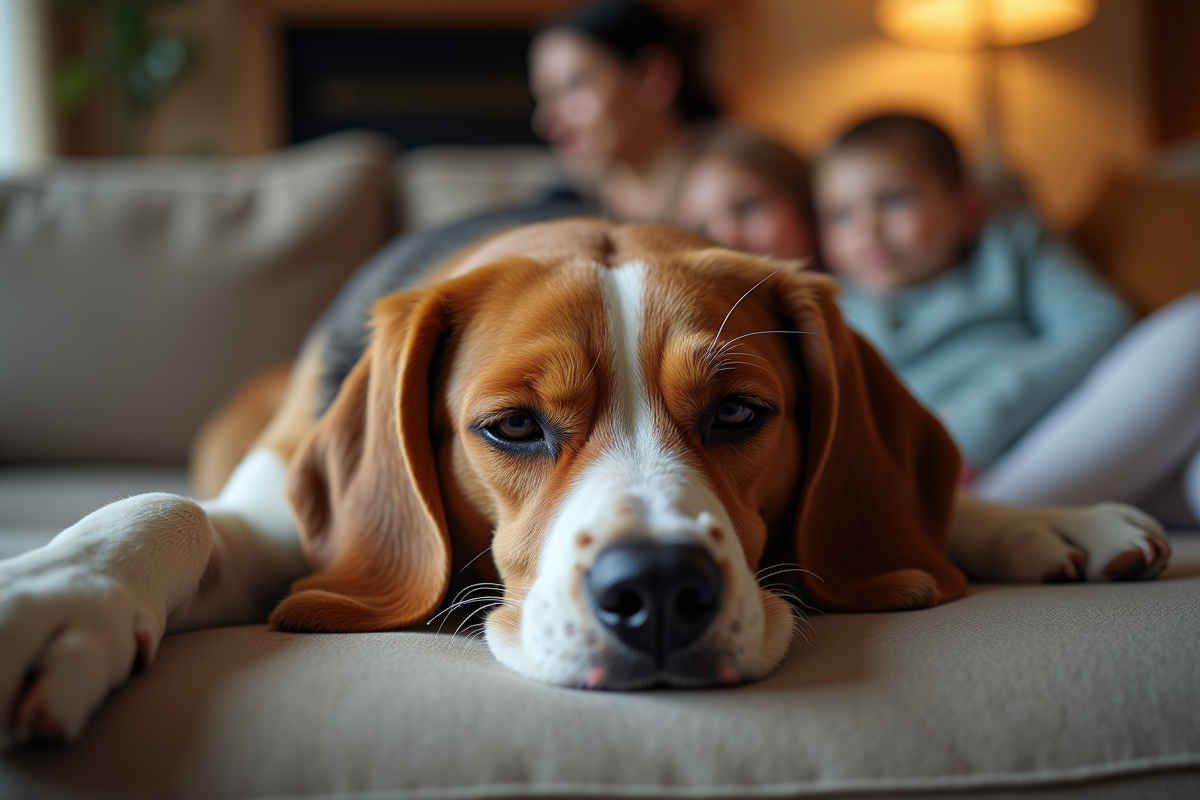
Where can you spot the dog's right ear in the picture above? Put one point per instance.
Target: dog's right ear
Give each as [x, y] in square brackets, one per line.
[364, 486]
[880, 471]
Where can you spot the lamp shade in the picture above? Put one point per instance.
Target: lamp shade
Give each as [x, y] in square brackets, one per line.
[972, 24]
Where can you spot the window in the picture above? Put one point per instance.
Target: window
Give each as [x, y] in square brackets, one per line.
[23, 123]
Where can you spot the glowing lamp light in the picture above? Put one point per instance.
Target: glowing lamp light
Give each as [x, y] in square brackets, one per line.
[985, 26]
[976, 24]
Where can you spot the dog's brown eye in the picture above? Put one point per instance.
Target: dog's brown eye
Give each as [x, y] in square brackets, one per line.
[733, 414]
[520, 427]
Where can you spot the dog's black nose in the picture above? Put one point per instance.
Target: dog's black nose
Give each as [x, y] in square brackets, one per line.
[656, 598]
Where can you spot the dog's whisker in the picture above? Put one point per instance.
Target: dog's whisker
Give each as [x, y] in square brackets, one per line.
[746, 354]
[482, 583]
[588, 377]
[798, 633]
[473, 560]
[726, 365]
[793, 600]
[477, 599]
[460, 600]
[721, 362]
[717, 337]
[724, 347]
[465, 593]
[775, 566]
[804, 627]
[474, 630]
[473, 587]
[472, 614]
[784, 569]
[786, 592]
[472, 637]
[777, 569]
[780, 590]
[463, 604]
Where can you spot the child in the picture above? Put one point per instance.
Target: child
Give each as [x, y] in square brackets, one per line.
[989, 325]
[992, 323]
[995, 324]
[746, 192]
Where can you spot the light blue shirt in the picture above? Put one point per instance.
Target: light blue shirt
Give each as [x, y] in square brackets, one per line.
[992, 344]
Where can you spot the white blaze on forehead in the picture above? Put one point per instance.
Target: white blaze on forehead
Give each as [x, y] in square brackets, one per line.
[639, 465]
[622, 289]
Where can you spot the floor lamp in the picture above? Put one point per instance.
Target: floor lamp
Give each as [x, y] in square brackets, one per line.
[984, 26]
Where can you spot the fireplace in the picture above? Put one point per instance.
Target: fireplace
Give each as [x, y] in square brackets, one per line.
[418, 85]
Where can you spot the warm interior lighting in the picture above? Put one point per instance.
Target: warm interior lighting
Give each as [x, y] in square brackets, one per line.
[973, 24]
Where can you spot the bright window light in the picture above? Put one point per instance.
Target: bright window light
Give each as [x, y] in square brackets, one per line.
[24, 141]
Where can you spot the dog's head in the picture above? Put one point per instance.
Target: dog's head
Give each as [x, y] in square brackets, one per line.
[636, 422]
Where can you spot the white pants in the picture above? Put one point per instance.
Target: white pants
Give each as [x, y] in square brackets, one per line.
[1130, 431]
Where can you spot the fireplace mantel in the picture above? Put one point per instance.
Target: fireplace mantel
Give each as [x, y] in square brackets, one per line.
[260, 25]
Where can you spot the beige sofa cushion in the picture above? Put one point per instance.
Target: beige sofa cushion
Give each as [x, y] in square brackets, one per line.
[39, 500]
[442, 184]
[1015, 691]
[134, 296]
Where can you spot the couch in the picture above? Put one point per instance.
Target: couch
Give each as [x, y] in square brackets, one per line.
[135, 296]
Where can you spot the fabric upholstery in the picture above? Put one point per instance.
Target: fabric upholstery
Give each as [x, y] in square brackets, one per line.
[135, 295]
[437, 185]
[1143, 235]
[1030, 691]
[39, 500]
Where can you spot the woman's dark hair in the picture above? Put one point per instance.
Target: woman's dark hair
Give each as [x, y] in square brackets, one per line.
[625, 28]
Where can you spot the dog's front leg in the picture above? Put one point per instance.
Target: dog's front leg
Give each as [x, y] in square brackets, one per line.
[1107, 541]
[77, 615]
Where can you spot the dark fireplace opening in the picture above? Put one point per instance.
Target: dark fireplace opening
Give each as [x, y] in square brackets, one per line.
[419, 86]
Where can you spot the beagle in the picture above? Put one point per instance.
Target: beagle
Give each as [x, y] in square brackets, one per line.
[630, 432]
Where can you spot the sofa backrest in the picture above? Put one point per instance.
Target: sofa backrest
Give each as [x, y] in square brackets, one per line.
[1144, 235]
[134, 295]
[436, 185]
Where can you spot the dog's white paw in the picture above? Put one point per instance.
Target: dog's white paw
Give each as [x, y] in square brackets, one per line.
[67, 635]
[78, 614]
[1120, 541]
[1015, 544]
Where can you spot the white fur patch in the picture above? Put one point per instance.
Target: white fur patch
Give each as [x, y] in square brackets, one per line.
[256, 492]
[72, 612]
[76, 612]
[997, 542]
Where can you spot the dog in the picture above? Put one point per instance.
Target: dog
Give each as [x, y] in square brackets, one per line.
[629, 430]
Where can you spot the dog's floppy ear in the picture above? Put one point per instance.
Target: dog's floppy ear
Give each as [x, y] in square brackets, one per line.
[364, 486]
[880, 472]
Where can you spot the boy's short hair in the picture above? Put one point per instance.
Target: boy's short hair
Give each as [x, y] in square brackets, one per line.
[928, 140]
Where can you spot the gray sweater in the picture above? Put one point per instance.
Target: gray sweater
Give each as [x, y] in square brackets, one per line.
[993, 343]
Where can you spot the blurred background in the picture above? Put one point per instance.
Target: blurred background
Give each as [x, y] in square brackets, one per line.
[209, 78]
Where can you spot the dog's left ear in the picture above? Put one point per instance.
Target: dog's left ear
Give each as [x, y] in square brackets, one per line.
[880, 472]
[364, 486]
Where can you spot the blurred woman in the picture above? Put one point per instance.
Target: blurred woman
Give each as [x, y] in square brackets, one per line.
[615, 94]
